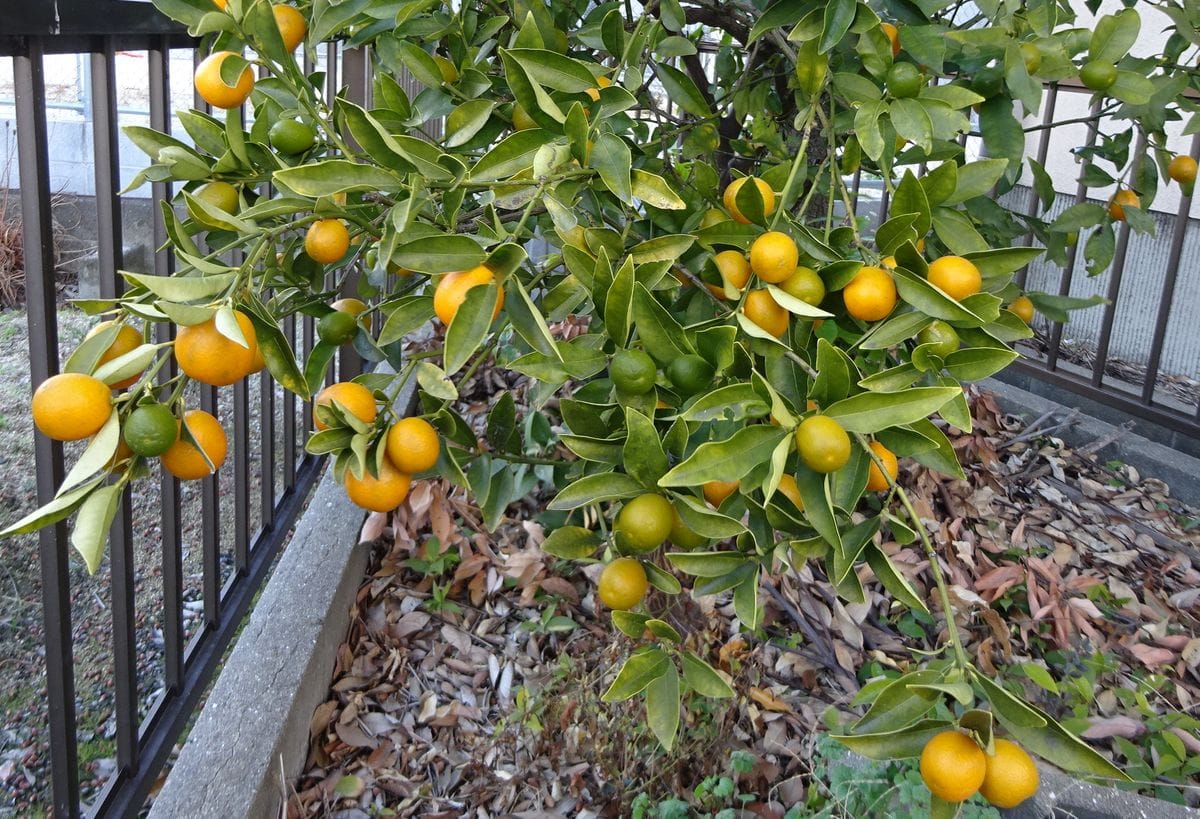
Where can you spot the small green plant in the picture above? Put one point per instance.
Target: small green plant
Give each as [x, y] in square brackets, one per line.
[715, 797]
[432, 561]
[439, 599]
[548, 622]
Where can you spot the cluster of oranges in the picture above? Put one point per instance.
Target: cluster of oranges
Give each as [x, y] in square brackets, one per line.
[955, 768]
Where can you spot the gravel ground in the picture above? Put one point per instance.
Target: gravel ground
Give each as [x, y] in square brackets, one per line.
[24, 762]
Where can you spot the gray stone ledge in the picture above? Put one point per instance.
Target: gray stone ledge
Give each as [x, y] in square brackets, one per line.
[253, 730]
[1061, 796]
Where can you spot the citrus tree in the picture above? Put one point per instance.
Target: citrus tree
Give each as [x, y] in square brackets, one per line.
[647, 211]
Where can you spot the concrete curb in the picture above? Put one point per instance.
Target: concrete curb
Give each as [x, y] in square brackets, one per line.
[254, 727]
[1061, 796]
[1179, 470]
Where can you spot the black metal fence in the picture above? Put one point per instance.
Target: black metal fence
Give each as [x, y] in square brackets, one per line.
[238, 545]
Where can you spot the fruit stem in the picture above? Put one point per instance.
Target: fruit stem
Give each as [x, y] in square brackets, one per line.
[960, 655]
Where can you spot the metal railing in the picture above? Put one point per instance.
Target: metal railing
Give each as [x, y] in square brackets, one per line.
[240, 530]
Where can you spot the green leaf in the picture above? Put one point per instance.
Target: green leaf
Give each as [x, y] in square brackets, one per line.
[127, 365]
[183, 289]
[571, 542]
[1040, 675]
[956, 96]
[870, 412]
[526, 319]
[470, 326]
[784, 13]
[406, 315]
[1003, 260]
[976, 363]
[898, 704]
[333, 176]
[662, 248]
[733, 402]
[90, 532]
[1010, 709]
[726, 460]
[795, 306]
[662, 706]
[900, 327]
[931, 300]
[1113, 35]
[661, 334]
[612, 160]
[957, 231]
[643, 453]
[746, 603]
[590, 489]
[641, 669]
[631, 624]
[833, 374]
[553, 70]
[707, 564]
[96, 457]
[896, 583]
[439, 253]
[910, 198]
[666, 583]
[839, 14]
[976, 179]
[703, 678]
[467, 120]
[654, 191]
[818, 504]
[618, 306]
[433, 380]
[682, 91]
[705, 521]
[511, 155]
[904, 743]
[912, 122]
[1078, 217]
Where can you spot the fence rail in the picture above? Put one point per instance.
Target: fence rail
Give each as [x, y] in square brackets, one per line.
[235, 555]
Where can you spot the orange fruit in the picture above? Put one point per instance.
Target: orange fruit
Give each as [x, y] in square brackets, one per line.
[790, 490]
[682, 535]
[327, 241]
[220, 195]
[184, 460]
[953, 766]
[382, 494]
[220, 4]
[452, 291]
[888, 262]
[870, 295]
[1011, 776]
[715, 492]
[412, 445]
[729, 198]
[733, 267]
[520, 118]
[876, 481]
[762, 309]
[622, 584]
[1122, 199]
[127, 340]
[712, 217]
[1182, 169]
[893, 35]
[292, 25]
[594, 93]
[774, 256]
[1023, 307]
[805, 284]
[355, 307]
[213, 90]
[211, 358]
[822, 444]
[71, 406]
[645, 521]
[354, 398]
[955, 276]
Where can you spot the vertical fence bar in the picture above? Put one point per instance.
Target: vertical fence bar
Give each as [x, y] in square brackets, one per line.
[110, 256]
[289, 416]
[1043, 151]
[1064, 286]
[1116, 273]
[210, 517]
[266, 452]
[37, 234]
[172, 555]
[241, 475]
[1182, 217]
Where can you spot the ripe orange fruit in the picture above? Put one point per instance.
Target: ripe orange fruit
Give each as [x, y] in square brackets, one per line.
[870, 295]
[292, 25]
[822, 444]
[888, 262]
[211, 358]
[354, 398]
[220, 4]
[893, 35]
[622, 584]
[953, 766]
[1023, 307]
[682, 535]
[213, 90]
[127, 340]
[774, 256]
[733, 267]
[71, 406]
[520, 118]
[594, 93]
[184, 460]
[956, 276]
[805, 284]
[327, 241]
[1122, 199]
[412, 445]
[1011, 776]
[1182, 169]
[790, 490]
[382, 494]
[876, 481]
[715, 492]
[730, 197]
[762, 309]
[645, 521]
[452, 291]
